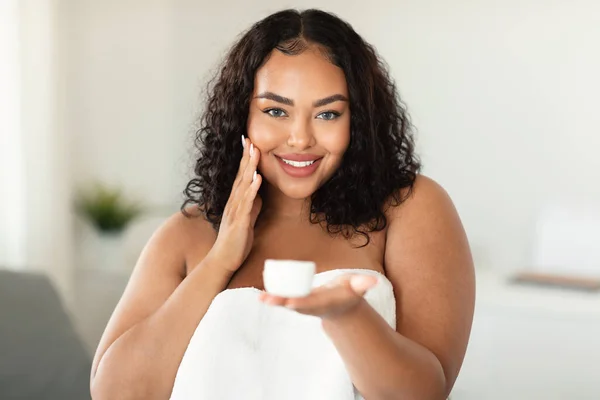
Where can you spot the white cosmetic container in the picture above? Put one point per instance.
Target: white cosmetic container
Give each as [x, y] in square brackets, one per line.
[288, 278]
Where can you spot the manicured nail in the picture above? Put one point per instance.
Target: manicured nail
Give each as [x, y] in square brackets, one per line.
[243, 142]
[254, 176]
[251, 149]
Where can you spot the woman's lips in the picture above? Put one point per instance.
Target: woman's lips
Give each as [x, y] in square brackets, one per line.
[299, 172]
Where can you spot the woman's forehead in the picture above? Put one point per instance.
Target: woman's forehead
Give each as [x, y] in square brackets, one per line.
[309, 74]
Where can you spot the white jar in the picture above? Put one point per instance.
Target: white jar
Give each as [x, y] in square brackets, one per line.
[288, 278]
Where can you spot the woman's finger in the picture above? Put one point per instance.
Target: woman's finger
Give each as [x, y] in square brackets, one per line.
[362, 283]
[249, 168]
[251, 165]
[321, 298]
[359, 283]
[248, 187]
[272, 300]
[242, 167]
[344, 292]
[248, 205]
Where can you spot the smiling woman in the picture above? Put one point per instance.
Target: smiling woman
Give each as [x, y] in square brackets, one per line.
[304, 153]
[302, 113]
[308, 86]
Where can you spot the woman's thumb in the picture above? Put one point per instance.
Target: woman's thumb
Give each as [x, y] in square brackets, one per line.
[361, 283]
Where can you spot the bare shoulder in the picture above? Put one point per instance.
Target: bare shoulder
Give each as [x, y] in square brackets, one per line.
[426, 225]
[179, 229]
[428, 260]
[194, 224]
[197, 235]
[177, 236]
[422, 197]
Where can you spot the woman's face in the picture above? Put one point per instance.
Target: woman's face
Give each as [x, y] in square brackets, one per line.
[299, 111]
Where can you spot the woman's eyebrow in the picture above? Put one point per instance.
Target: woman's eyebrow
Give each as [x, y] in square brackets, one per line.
[330, 99]
[275, 97]
[290, 102]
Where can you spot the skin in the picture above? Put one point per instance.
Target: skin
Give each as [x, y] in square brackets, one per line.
[277, 127]
[423, 252]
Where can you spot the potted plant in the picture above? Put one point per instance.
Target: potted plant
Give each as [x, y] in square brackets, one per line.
[109, 212]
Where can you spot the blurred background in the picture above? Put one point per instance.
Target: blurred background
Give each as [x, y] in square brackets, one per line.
[503, 95]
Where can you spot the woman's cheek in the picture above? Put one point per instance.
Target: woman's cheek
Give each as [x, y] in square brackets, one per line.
[336, 142]
[263, 134]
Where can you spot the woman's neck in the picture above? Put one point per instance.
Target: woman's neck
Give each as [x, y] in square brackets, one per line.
[277, 205]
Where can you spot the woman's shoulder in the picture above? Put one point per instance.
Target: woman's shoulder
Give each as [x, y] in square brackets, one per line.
[187, 222]
[197, 233]
[193, 225]
[426, 221]
[424, 192]
[188, 231]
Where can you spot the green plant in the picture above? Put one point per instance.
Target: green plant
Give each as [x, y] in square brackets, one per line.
[106, 208]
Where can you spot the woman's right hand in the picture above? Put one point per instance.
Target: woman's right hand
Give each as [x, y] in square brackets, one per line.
[236, 232]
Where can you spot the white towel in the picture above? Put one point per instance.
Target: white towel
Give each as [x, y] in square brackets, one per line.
[244, 349]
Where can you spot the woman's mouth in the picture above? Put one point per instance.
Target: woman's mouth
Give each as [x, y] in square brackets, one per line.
[299, 169]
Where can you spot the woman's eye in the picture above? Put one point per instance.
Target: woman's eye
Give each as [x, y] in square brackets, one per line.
[276, 112]
[328, 115]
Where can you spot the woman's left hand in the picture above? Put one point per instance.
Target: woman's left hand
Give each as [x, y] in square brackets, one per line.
[333, 299]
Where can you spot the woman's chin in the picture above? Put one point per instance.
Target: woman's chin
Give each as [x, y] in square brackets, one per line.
[298, 191]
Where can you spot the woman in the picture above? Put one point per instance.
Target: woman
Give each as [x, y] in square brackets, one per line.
[304, 153]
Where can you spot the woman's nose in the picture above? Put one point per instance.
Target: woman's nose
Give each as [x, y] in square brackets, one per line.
[301, 136]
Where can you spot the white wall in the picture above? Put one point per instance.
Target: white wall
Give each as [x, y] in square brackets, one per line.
[11, 162]
[35, 230]
[503, 94]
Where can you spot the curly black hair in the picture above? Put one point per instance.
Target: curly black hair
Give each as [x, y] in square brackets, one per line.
[380, 161]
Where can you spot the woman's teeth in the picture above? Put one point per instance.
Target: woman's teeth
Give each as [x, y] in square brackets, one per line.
[298, 164]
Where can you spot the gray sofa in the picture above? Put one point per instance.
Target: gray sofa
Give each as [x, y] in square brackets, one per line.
[41, 355]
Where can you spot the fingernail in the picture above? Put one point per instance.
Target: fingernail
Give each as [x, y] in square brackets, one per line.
[254, 176]
[243, 142]
[251, 149]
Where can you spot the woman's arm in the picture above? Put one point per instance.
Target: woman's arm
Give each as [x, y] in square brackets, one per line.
[147, 335]
[429, 263]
